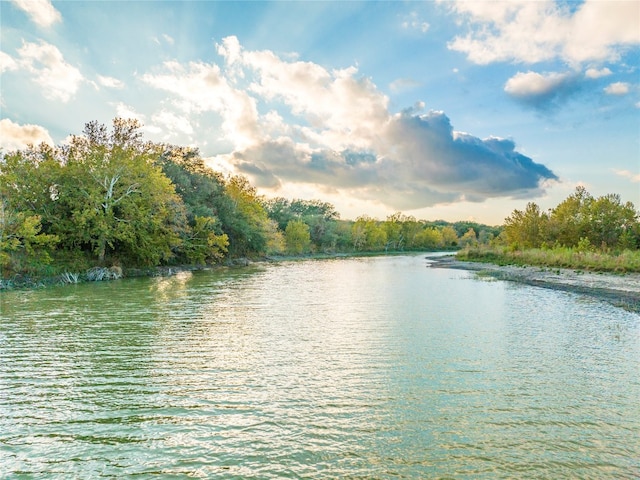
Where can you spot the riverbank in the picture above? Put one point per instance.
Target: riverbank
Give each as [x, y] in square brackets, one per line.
[621, 290]
[26, 281]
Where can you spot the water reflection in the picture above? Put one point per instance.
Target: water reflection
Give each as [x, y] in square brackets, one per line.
[359, 368]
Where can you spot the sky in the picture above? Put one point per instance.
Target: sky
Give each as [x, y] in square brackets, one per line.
[446, 110]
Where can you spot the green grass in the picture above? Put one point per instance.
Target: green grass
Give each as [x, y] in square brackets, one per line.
[622, 262]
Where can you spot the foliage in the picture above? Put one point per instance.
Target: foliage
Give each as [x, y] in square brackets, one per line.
[203, 245]
[100, 193]
[429, 238]
[368, 234]
[468, 239]
[449, 237]
[526, 228]
[559, 257]
[320, 217]
[297, 237]
[22, 243]
[579, 221]
[244, 218]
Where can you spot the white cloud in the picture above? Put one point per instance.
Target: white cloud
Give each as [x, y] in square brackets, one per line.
[541, 91]
[634, 177]
[7, 63]
[202, 87]
[339, 106]
[595, 73]
[41, 12]
[14, 136]
[110, 82]
[617, 88]
[534, 84]
[125, 111]
[45, 62]
[168, 38]
[530, 32]
[172, 123]
[333, 129]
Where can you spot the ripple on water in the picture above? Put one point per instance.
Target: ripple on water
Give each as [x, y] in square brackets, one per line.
[356, 368]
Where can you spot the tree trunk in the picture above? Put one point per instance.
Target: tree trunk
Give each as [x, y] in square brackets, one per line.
[102, 248]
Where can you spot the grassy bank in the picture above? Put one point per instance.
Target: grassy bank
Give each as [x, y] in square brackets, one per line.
[562, 257]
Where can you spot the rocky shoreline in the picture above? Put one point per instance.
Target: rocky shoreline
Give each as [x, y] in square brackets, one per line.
[621, 290]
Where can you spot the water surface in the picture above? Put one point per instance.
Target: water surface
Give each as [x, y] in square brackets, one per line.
[349, 368]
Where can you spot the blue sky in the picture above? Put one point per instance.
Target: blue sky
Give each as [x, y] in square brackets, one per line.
[441, 110]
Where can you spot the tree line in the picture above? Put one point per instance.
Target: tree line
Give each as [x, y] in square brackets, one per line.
[108, 197]
[581, 221]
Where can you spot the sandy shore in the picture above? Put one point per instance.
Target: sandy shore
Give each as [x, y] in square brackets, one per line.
[622, 290]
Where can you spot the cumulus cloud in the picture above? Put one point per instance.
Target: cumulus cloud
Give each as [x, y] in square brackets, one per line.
[172, 123]
[530, 32]
[595, 73]
[617, 88]
[202, 87]
[110, 82]
[541, 90]
[333, 129]
[419, 161]
[14, 136]
[41, 12]
[45, 62]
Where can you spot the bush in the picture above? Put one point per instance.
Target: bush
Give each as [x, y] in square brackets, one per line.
[581, 257]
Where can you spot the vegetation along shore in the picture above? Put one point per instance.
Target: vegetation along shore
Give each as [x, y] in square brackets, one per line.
[109, 204]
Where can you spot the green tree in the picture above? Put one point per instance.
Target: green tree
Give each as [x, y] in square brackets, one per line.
[297, 237]
[526, 228]
[342, 233]
[244, 218]
[468, 239]
[410, 229]
[22, 243]
[321, 217]
[449, 237]
[609, 221]
[568, 222]
[203, 245]
[275, 238]
[368, 234]
[120, 201]
[394, 232]
[29, 182]
[202, 189]
[429, 238]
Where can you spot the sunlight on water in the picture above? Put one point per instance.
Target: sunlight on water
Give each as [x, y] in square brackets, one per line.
[358, 368]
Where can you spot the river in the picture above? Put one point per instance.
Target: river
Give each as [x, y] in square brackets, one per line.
[348, 368]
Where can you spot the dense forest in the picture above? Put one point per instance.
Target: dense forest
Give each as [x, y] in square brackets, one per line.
[108, 200]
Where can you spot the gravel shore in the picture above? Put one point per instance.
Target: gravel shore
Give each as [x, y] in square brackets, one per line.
[622, 290]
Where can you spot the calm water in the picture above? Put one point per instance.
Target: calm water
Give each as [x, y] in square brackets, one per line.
[351, 368]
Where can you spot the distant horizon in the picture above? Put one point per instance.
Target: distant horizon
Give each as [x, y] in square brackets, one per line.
[456, 111]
